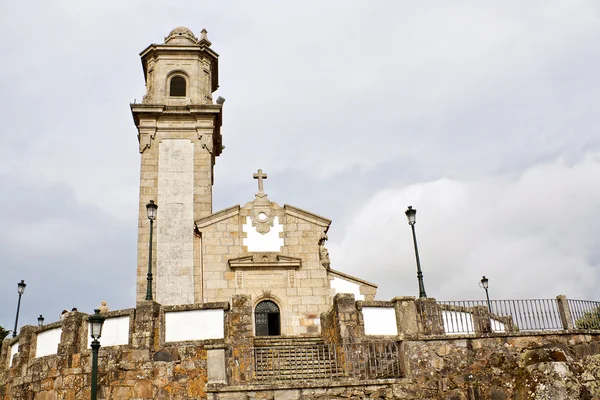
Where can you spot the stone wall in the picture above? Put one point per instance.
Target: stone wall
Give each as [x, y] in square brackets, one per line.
[555, 365]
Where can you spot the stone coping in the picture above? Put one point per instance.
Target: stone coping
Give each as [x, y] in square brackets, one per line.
[350, 278]
[403, 298]
[223, 305]
[48, 327]
[367, 339]
[317, 383]
[118, 313]
[374, 303]
[209, 344]
[11, 340]
[493, 335]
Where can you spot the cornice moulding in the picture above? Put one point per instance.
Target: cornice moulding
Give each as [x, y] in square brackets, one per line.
[307, 216]
[218, 217]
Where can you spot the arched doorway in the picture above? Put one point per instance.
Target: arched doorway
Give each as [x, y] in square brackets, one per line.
[266, 319]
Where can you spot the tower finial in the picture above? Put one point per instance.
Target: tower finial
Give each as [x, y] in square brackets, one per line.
[204, 38]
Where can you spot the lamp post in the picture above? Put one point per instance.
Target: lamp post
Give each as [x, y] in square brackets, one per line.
[411, 214]
[484, 283]
[96, 322]
[151, 208]
[41, 320]
[20, 289]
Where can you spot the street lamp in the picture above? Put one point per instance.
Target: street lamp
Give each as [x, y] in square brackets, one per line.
[41, 320]
[151, 210]
[96, 322]
[20, 289]
[484, 283]
[411, 215]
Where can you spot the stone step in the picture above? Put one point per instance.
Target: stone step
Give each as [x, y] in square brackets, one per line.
[317, 353]
[284, 374]
[273, 341]
[294, 363]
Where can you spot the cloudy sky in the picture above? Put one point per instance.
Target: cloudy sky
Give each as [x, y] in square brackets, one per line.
[482, 115]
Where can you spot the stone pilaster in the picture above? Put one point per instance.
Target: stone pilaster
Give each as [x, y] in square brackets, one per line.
[481, 319]
[26, 347]
[239, 340]
[429, 316]
[145, 326]
[406, 315]
[73, 336]
[344, 323]
[565, 312]
[238, 329]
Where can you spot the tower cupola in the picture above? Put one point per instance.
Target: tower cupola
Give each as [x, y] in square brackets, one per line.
[182, 70]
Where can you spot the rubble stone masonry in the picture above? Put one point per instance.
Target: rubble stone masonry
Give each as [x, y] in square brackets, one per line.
[499, 366]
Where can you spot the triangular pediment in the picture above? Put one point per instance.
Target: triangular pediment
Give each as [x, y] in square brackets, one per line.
[307, 216]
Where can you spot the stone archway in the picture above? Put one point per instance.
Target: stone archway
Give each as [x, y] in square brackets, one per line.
[267, 319]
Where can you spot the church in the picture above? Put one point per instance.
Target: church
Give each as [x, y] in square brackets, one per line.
[274, 254]
[243, 303]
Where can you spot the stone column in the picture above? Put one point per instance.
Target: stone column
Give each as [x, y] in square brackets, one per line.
[429, 316]
[145, 326]
[565, 312]
[406, 315]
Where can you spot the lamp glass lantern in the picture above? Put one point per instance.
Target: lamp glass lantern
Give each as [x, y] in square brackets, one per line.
[484, 282]
[411, 214]
[21, 287]
[151, 208]
[96, 324]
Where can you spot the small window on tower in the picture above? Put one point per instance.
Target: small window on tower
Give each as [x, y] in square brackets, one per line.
[177, 87]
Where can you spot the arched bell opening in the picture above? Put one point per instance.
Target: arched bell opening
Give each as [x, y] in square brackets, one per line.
[267, 319]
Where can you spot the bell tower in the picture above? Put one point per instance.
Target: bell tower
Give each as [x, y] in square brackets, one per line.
[179, 139]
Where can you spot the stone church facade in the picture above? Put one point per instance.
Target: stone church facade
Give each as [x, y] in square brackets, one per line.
[275, 254]
[245, 304]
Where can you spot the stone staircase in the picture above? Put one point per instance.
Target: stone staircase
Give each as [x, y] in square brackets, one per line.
[294, 358]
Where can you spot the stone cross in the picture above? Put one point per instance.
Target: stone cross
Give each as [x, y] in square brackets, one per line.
[260, 176]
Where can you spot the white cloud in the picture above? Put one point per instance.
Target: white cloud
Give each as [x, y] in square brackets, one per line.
[534, 235]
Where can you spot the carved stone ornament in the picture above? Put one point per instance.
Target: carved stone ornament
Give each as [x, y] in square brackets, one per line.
[323, 252]
[267, 293]
[239, 278]
[262, 220]
[149, 83]
[146, 140]
[291, 278]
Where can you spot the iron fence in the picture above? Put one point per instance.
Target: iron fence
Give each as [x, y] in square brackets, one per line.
[585, 314]
[319, 361]
[477, 316]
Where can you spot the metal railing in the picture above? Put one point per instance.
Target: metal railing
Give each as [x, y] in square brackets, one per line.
[319, 361]
[478, 316]
[585, 314]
